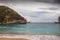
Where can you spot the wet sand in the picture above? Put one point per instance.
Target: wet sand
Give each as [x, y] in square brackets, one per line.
[28, 37]
[13, 39]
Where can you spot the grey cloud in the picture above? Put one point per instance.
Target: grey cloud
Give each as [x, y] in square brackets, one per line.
[42, 12]
[39, 16]
[52, 8]
[49, 1]
[17, 0]
[35, 14]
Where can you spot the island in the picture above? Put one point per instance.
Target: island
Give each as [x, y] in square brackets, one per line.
[9, 16]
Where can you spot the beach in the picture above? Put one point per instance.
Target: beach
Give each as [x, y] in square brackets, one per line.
[28, 37]
[12, 39]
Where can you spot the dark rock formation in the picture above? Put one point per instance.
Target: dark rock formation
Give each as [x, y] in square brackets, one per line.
[9, 16]
[58, 20]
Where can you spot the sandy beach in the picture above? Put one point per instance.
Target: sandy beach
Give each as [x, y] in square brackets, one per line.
[13, 39]
[29, 37]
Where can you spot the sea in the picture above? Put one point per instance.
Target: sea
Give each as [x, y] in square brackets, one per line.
[31, 28]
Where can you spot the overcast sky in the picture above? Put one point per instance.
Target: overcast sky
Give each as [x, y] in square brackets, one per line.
[35, 11]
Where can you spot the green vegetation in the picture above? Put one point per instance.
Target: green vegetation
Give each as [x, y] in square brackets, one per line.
[7, 14]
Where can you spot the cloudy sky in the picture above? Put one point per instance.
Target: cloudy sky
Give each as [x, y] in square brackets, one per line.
[34, 11]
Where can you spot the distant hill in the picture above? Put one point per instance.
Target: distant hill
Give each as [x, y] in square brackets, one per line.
[9, 16]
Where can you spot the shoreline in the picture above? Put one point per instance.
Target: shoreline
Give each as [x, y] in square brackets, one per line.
[26, 36]
[22, 33]
[29, 37]
[32, 22]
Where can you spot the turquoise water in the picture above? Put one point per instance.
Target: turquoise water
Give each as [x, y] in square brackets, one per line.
[31, 28]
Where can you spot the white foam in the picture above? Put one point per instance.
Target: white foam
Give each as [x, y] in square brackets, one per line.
[32, 37]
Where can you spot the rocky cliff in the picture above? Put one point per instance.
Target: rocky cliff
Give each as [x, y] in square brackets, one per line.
[9, 16]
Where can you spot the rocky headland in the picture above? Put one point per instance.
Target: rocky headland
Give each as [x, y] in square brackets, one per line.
[9, 16]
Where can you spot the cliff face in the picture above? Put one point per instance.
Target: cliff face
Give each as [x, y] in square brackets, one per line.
[9, 16]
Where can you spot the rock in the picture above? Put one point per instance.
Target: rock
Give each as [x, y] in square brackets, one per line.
[9, 16]
[58, 20]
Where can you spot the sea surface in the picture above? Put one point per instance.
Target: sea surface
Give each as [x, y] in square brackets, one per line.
[31, 28]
